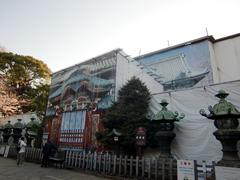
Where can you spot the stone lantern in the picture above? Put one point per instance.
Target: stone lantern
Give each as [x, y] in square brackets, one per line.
[17, 130]
[31, 131]
[164, 120]
[1, 131]
[115, 137]
[140, 139]
[7, 132]
[225, 117]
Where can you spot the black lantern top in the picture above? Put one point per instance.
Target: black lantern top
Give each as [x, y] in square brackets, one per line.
[19, 124]
[166, 115]
[32, 124]
[8, 125]
[32, 127]
[114, 132]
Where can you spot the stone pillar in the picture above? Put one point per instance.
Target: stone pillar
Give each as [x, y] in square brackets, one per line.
[164, 120]
[225, 116]
[17, 131]
[7, 132]
[164, 139]
[31, 131]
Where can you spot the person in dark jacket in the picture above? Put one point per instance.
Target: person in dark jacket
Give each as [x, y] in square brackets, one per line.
[47, 150]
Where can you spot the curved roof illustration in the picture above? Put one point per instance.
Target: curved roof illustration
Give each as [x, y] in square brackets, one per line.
[76, 77]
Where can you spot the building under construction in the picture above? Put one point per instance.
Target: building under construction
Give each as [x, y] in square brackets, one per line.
[184, 73]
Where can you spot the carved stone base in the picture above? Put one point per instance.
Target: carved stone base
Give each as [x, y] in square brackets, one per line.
[164, 139]
[228, 139]
[5, 138]
[16, 138]
[29, 141]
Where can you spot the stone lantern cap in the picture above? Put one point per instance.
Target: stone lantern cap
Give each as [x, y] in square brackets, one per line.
[18, 124]
[166, 115]
[8, 125]
[32, 123]
[114, 132]
[222, 108]
[222, 94]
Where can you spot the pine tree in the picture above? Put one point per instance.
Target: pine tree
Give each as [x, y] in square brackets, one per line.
[128, 113]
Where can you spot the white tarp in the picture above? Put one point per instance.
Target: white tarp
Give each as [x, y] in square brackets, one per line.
[194, 134]
[127, 68]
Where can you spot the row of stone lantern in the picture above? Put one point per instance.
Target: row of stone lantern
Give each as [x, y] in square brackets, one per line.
[224, 114]
[115, 135]
[12, 133]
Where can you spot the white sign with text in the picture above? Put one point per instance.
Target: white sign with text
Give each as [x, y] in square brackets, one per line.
[227, 173]
[186, 170]
[6, 151]
[2, 149]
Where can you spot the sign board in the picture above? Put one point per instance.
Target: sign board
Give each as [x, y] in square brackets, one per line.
[227, 173]
[44, 138]
[185, 170]
[141, 136]
[2, 149]
[6, 151]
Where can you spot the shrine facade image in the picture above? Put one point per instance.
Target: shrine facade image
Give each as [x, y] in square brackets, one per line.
[78, 96]
[182, 74]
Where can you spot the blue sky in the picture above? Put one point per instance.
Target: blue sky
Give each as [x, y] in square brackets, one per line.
[66, 32]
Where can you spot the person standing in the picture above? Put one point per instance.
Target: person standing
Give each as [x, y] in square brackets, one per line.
[47, 149]
[21, 153]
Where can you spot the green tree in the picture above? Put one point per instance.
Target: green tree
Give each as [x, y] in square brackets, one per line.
[39, 98]
[128, 113]
[28, 78]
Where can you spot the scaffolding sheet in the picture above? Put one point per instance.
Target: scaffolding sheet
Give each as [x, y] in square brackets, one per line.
[194, 134]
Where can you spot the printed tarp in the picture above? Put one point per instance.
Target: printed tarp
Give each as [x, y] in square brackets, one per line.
[194, 134]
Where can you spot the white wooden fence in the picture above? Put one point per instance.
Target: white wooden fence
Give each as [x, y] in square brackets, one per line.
[122, 166]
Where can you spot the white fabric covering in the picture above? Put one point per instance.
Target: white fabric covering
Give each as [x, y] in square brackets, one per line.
[194, 134]
[127, 68]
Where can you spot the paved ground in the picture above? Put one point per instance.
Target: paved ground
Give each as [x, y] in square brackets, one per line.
[30, 171]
